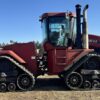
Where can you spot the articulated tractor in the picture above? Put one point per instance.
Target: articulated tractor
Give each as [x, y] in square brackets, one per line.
[66, 53]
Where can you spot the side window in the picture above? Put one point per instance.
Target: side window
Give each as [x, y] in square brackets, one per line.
[73, 30]
[44, 29]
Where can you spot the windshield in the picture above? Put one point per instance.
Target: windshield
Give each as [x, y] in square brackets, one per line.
[59, 27]
[59, 30]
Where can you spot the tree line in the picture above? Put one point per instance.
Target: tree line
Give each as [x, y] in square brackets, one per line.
[37, 43]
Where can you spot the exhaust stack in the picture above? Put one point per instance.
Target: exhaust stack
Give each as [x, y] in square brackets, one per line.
[85, 29]
[78, 41]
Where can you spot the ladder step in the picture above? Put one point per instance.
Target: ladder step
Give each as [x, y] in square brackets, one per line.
[61, 57]
[61, 64]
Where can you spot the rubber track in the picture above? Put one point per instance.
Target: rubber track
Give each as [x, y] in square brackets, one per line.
[94, 54]
[18, 65]
[80, 61]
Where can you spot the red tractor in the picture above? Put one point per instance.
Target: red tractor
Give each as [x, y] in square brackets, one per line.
[66, 54]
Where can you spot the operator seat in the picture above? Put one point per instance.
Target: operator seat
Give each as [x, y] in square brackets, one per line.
[67, 41]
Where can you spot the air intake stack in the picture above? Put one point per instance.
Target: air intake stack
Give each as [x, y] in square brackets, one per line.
[85, 29]
[82, 32]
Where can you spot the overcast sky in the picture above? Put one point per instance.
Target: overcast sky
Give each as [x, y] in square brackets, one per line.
[19, 19]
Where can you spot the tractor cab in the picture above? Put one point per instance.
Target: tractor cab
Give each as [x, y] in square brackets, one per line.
[59, 29]
[63, 42]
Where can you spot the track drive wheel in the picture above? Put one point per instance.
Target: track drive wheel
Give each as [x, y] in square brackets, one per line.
[25, 82]
[11, 87]
[3, 87]
[74, 80]
[87, 84]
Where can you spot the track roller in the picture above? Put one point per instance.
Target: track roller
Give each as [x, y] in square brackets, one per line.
[25, 82]
[3, 87]
[11, 87]
[95, 84]
[87, 84]
[74, 80]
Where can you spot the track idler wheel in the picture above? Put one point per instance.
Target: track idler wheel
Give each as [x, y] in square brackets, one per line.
[11, 87]
[74, 80]
[87, 85]
[3, 87]
[25, 82]
[95, 84]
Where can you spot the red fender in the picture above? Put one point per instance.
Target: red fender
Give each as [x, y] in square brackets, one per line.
[12, 54]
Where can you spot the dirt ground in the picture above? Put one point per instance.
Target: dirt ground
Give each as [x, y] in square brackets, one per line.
[51, 89]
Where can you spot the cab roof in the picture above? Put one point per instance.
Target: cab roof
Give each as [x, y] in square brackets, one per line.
[52, 14]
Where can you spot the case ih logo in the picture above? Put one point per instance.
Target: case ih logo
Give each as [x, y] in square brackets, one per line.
[94, 41]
